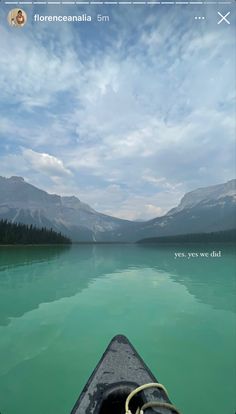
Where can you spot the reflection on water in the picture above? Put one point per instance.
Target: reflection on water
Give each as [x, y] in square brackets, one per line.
[44, 274]
[210, 280]
[22, 274]
[12, 256]
[58, 305]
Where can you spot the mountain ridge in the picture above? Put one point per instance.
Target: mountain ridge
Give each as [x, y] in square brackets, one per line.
[204, 209]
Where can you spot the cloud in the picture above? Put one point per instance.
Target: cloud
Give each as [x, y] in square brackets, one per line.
[45, 163]
[127, 118]
[36, 72]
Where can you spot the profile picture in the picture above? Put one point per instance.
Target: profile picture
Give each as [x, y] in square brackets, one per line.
[17, 18]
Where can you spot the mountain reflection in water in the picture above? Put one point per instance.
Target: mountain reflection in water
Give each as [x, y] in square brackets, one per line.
[54, 272]
[59, 305]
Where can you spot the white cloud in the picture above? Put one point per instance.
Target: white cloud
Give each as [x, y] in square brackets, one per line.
[152, 211]
[45, 163]
[136, 120]
[34, 72]
[135, 207]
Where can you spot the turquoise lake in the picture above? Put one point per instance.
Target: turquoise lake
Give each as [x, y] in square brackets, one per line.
[59, 308]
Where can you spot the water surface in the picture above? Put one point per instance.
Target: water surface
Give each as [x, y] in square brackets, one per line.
[59, 307]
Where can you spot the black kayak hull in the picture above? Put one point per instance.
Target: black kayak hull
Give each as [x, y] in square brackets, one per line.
[119, 372]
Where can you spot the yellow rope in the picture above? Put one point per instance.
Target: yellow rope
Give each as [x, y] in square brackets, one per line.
[151, 403]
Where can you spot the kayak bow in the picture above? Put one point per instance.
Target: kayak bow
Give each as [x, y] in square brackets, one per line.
[119, 372]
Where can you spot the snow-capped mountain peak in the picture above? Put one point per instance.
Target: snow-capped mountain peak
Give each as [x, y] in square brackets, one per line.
[215, 192]
[203, 210]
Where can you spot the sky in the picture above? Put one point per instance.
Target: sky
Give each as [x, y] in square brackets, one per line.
[128, 115]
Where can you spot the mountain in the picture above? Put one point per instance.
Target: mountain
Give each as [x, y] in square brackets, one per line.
[23, 203]
[208, 209]
[205, 210]
[205, 195]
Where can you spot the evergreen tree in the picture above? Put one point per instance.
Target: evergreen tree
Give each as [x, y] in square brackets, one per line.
[228, 236]
[17, 233]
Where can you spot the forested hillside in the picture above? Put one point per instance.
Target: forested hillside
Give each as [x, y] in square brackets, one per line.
[13, 233]
[227, 236]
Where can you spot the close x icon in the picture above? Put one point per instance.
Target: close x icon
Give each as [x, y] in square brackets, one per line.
[223, 18]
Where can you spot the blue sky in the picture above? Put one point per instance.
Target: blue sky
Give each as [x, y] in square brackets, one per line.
[127, 115]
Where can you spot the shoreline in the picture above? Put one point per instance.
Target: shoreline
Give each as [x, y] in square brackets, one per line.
[119, 243]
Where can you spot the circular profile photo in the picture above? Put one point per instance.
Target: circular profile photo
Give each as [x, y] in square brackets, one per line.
[17, 18]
